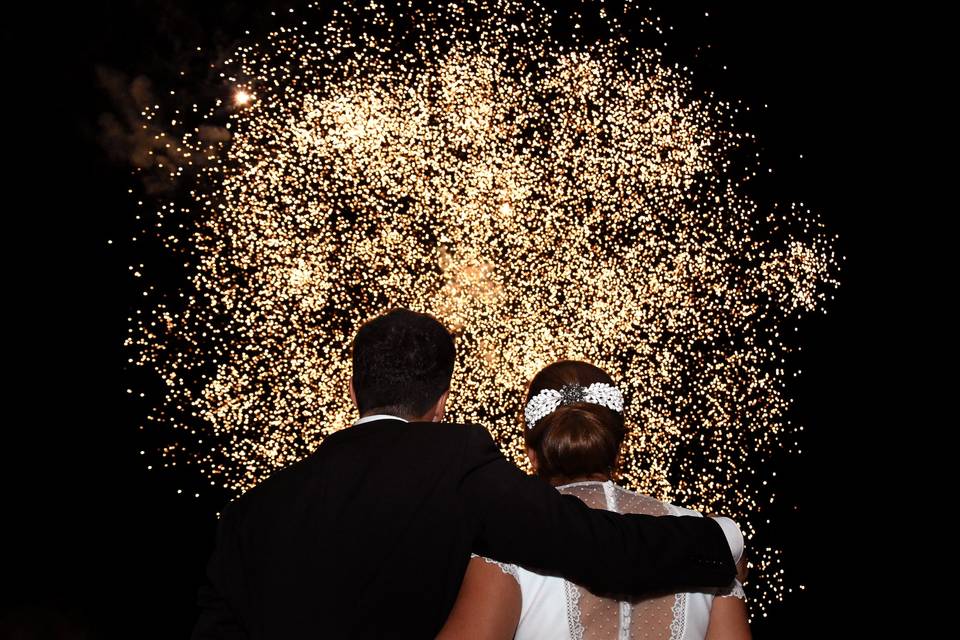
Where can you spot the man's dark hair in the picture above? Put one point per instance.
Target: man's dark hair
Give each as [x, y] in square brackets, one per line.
[402, 363]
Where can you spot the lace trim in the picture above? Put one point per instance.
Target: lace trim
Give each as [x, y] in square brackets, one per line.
[509, 569]
[679, 617]
[625, 611]
[582, 483]
[573, 611]
[679, 511]
[733, 591]
[610, 494]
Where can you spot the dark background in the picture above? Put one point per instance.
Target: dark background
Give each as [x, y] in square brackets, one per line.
[101, 548]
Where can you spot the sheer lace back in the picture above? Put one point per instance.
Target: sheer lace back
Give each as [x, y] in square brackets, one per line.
[592, 617]
[555, 608]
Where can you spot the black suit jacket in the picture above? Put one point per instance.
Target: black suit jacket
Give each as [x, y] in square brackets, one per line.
[370, 537]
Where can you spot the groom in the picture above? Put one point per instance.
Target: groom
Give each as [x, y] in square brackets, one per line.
[369, 536]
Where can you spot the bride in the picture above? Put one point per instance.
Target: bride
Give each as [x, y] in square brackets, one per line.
[574, 428]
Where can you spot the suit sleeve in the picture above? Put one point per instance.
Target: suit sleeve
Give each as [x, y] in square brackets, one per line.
[221, 595]
[522, 520]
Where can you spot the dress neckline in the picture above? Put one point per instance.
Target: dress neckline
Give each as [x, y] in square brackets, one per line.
[585, 482]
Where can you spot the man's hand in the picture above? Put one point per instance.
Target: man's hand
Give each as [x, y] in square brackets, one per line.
[742, 568]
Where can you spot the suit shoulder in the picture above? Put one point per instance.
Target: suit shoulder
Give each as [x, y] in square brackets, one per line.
[475, 439]
[475, 433]
[280, 482]
[470, 443]
[460, 431]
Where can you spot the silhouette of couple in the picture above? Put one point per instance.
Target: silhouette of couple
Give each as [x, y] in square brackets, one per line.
[406, 526]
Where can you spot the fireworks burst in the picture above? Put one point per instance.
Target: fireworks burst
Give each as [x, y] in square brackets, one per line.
[547, 196]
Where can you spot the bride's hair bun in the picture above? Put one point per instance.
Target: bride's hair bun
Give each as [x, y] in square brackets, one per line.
[577, 439]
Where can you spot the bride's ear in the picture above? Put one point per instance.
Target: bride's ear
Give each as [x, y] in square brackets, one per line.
[532, 455]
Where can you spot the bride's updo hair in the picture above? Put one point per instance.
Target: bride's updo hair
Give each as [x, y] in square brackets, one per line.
[578, 439]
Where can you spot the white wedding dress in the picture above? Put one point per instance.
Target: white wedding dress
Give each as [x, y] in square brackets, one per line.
[557, 609]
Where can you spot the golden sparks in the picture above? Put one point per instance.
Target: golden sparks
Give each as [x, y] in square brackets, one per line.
[545, 198]
[241, 98]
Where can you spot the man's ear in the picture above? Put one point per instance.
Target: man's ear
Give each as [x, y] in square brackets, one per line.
[353, 395]
[440, 408]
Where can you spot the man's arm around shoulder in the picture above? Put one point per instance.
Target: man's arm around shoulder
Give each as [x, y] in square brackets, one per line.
[525, 521]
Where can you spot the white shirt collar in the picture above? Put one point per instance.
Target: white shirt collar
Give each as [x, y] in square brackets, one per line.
[378, 416]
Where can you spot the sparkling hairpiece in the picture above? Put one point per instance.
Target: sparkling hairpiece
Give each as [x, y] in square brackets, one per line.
[548, 400]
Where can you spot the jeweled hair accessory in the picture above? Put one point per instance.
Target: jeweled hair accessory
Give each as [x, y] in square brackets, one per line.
[548, 400]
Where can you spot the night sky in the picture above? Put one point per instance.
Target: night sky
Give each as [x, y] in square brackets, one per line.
[102, 548]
